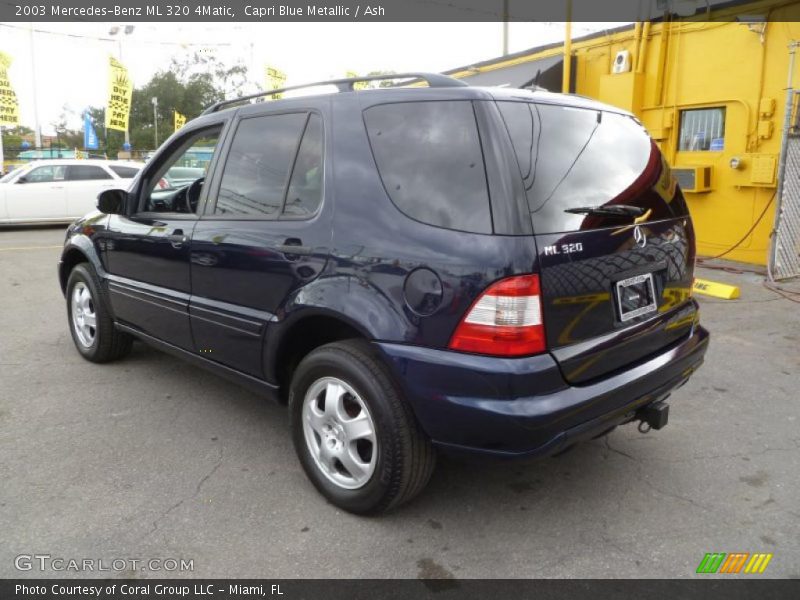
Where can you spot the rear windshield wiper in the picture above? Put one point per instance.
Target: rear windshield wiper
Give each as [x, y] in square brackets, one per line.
[612, 210]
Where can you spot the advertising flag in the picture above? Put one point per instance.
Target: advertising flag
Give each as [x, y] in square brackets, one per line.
[9, 105]
[120, 88]
[274, 79]
[180, 120]
[89, 134]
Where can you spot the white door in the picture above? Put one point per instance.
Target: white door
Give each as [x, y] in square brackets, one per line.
[84, 183]
[39, 194]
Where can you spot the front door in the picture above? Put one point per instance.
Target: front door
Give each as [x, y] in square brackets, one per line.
[148, 250]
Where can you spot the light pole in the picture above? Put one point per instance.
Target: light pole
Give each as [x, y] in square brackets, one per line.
[505, 27]
[37, 131]
[127, 30]
[154, 100]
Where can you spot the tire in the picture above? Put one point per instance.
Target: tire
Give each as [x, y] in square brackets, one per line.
[86, 304]
[392, 466]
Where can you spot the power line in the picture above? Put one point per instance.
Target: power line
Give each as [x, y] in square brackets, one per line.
[114, 40]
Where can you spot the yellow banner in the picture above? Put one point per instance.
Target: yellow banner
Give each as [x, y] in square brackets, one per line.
[120, 88]
[180, 120]
[274, 79]
[9, 105]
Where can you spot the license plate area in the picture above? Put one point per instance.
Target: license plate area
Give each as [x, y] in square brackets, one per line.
[636, 296]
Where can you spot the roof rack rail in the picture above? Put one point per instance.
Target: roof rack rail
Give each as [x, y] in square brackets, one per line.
[346, 85]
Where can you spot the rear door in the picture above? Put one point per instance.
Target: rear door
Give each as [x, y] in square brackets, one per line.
[265, 234]
[615, 288]
[83, 184]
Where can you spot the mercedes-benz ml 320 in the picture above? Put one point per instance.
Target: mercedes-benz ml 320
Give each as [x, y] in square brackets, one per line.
[411, 269]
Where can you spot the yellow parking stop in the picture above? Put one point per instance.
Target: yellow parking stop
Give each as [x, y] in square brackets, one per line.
[716, 289]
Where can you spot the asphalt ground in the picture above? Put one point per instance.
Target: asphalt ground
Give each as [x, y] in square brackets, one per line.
[152, 458]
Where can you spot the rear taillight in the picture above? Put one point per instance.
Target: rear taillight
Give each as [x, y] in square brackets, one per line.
[505, 320]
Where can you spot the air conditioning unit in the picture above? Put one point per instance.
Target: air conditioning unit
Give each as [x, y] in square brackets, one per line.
[693, 179]
[622, 62]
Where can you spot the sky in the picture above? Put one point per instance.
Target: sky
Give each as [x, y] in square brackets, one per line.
[71, 58]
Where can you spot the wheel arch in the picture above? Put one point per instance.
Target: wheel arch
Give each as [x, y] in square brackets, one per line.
[297, 336]
[80, 249]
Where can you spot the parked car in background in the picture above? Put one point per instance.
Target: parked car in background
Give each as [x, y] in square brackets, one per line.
[178, 177]
[53, 191]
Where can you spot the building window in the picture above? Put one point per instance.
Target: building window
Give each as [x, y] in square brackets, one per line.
[702, 129]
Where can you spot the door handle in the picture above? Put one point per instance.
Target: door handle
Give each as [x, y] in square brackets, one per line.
[177, 239]
[294, 247]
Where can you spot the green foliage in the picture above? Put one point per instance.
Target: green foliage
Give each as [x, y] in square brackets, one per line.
[384, 83]
[14, 136]
[188, 85]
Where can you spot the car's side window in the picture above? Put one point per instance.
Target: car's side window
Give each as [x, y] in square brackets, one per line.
[124, 172]
[46, 174]
[305, 188]
[257, 167]
[430, 159]
[176, 184]
[86, 173]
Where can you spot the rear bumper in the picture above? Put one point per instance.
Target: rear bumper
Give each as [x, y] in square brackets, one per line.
[523, 407]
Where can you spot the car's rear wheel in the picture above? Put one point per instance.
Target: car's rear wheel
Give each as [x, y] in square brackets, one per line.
[90, 321]
[355, 435]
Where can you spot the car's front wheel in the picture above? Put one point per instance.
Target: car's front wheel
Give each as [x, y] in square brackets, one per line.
[355, 435]
[90, 321]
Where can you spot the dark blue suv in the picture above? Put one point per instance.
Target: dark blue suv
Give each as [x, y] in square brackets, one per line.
[411, 268]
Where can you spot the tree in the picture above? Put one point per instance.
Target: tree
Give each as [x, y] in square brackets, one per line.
[383, 82]
[189, 98]
[14, 136]
[67, 138]
[188, 86]
[230, 81]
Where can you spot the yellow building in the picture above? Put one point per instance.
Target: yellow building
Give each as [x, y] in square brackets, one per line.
[711, 90]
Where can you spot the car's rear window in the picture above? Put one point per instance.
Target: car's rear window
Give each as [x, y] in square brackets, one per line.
[574, 157]
[430, 160]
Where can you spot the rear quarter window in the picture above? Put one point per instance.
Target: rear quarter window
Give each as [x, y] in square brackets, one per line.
[430, 160]
[574, 157]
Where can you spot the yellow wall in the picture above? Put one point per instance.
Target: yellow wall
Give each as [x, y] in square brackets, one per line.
[695, 64]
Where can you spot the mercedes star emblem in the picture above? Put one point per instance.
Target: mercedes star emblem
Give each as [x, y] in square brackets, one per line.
[639, 237]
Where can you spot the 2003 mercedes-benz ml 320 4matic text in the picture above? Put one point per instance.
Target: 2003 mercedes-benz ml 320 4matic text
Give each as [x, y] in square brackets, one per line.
[496, 271]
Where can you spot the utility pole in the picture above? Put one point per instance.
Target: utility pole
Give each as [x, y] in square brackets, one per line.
[154, 100]
[505, 27]
[567, 70]
[37, 132]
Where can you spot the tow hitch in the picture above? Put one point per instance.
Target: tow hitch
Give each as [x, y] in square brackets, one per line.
[652, 416]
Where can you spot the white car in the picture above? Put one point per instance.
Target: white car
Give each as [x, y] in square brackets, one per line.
[54, 191]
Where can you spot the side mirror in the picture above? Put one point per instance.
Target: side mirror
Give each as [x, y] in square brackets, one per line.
[112, 202]
[22, 179]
